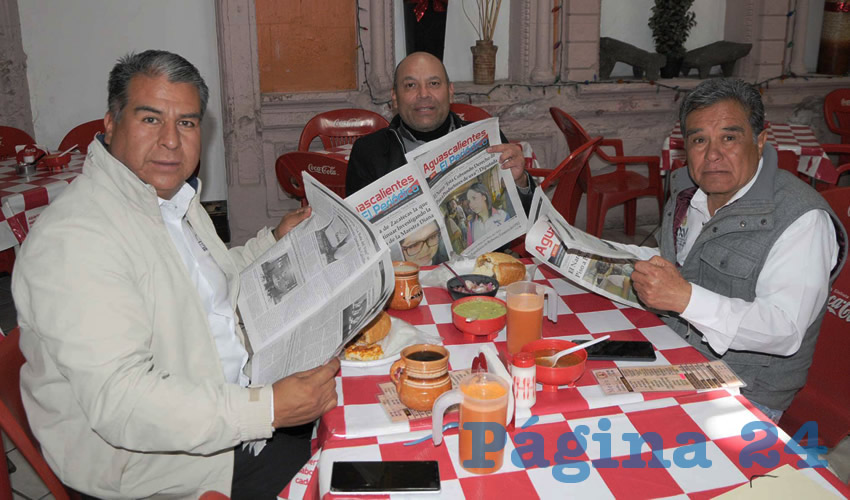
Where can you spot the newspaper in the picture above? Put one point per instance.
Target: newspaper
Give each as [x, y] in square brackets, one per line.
[451, 198]
[584, 259]
[692, 376]
[311, 292]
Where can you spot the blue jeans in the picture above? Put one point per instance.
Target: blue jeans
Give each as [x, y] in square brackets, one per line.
[772, 414]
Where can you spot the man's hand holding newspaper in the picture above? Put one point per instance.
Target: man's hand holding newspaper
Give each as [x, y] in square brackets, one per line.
[582, 258]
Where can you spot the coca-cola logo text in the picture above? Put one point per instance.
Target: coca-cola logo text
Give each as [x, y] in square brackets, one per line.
[321, 169]
[349, 123]
[839, 307]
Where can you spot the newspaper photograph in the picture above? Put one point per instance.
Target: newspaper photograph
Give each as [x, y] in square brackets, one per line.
[584, 259]
[310, 293]
[478, 201]
[402, 211]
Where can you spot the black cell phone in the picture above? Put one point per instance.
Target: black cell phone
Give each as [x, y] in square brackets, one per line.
[372, 478]
[620, 350]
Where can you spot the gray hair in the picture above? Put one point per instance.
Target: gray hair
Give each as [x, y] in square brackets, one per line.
[152, 63]
[714, 90]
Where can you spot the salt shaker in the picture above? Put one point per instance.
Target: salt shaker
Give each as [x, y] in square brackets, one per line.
[524, 375]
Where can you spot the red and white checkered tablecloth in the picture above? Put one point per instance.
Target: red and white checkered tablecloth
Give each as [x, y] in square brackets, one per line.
[24, 198]
[607, 464]
[581, 315]
[359, 429]
[800, 139]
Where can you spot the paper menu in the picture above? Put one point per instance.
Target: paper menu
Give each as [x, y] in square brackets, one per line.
[685, 377]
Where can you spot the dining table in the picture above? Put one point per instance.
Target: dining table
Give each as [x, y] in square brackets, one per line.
[812, 159]
[695, 443]
[23, 198]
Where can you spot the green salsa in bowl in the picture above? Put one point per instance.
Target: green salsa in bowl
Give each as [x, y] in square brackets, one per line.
[489, 313]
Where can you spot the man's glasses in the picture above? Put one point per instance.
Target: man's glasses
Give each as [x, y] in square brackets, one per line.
[419, 246]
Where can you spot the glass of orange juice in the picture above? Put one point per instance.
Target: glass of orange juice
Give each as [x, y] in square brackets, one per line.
[483, 399]
[525, 313]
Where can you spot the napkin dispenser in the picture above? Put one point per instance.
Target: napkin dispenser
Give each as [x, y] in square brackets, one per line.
[29, 154]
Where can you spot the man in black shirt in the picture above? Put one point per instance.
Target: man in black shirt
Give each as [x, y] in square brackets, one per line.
[421, 96]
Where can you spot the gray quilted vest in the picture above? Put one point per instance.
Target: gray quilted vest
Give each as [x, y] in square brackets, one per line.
[728, 257]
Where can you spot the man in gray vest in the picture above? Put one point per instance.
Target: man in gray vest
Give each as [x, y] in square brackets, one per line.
[747, 251]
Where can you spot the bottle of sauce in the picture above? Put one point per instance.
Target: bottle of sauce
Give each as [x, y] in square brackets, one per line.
[524, 376]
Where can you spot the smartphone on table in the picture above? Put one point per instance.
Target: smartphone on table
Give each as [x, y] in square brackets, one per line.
[620, 350]
[375, 478]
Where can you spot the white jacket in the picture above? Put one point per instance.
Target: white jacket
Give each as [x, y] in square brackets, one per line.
[123, 385]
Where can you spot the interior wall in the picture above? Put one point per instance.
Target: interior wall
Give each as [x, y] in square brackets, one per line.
[460, 36]
[71, 46]
[629, 22]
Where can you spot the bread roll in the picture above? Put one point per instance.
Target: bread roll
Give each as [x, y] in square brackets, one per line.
[364, 347]
[505, 268]
[376, 330]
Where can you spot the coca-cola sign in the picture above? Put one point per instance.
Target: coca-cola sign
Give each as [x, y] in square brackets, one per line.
[348, 123]
[321, 169]
[839, 306]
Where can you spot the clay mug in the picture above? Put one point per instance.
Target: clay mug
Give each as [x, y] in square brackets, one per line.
[421, 375]
[407, 293]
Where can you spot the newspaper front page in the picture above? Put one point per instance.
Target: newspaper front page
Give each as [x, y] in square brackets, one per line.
[477, 201]
[401, 209]
[310, 293]
[582, 258]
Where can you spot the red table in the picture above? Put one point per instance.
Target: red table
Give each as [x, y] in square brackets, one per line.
[649, 466]
[582, 315]
[24, 198]
[359, 429]
[783, 136]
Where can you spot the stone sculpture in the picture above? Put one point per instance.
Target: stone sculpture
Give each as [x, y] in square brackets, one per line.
[723, 53]
[612, 51]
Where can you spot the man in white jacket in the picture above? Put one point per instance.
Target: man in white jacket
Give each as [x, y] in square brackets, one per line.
[135, 380]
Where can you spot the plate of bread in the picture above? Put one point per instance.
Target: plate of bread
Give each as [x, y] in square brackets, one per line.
[381, 341]
[505, 268]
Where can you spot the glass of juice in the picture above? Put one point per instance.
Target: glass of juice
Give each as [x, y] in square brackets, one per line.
[483, 399]
[525, 313]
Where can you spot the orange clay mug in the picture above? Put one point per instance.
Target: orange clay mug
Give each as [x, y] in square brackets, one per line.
[407, 293]
[421, 375]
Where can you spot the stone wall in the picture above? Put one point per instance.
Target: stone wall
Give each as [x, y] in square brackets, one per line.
[14, 90]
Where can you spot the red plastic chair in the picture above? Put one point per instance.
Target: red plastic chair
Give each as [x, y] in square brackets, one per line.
[567, 193]
[340, 126]
[621, 187]
[825, 398]
[836, 112]
[468, 112]
[82, 135]
[327, 170]
[13, 418]
[11, 137]
[214, 495]
[788, 161]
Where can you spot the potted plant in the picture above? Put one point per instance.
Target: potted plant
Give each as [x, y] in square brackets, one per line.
[484, 52]
[671, 23]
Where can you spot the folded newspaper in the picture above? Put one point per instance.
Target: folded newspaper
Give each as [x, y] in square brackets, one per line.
[452, 198]
[584, 259]
[315, 289]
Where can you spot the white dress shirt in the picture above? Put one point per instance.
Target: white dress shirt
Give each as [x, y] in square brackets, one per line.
[790, 291]
[211, 283]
